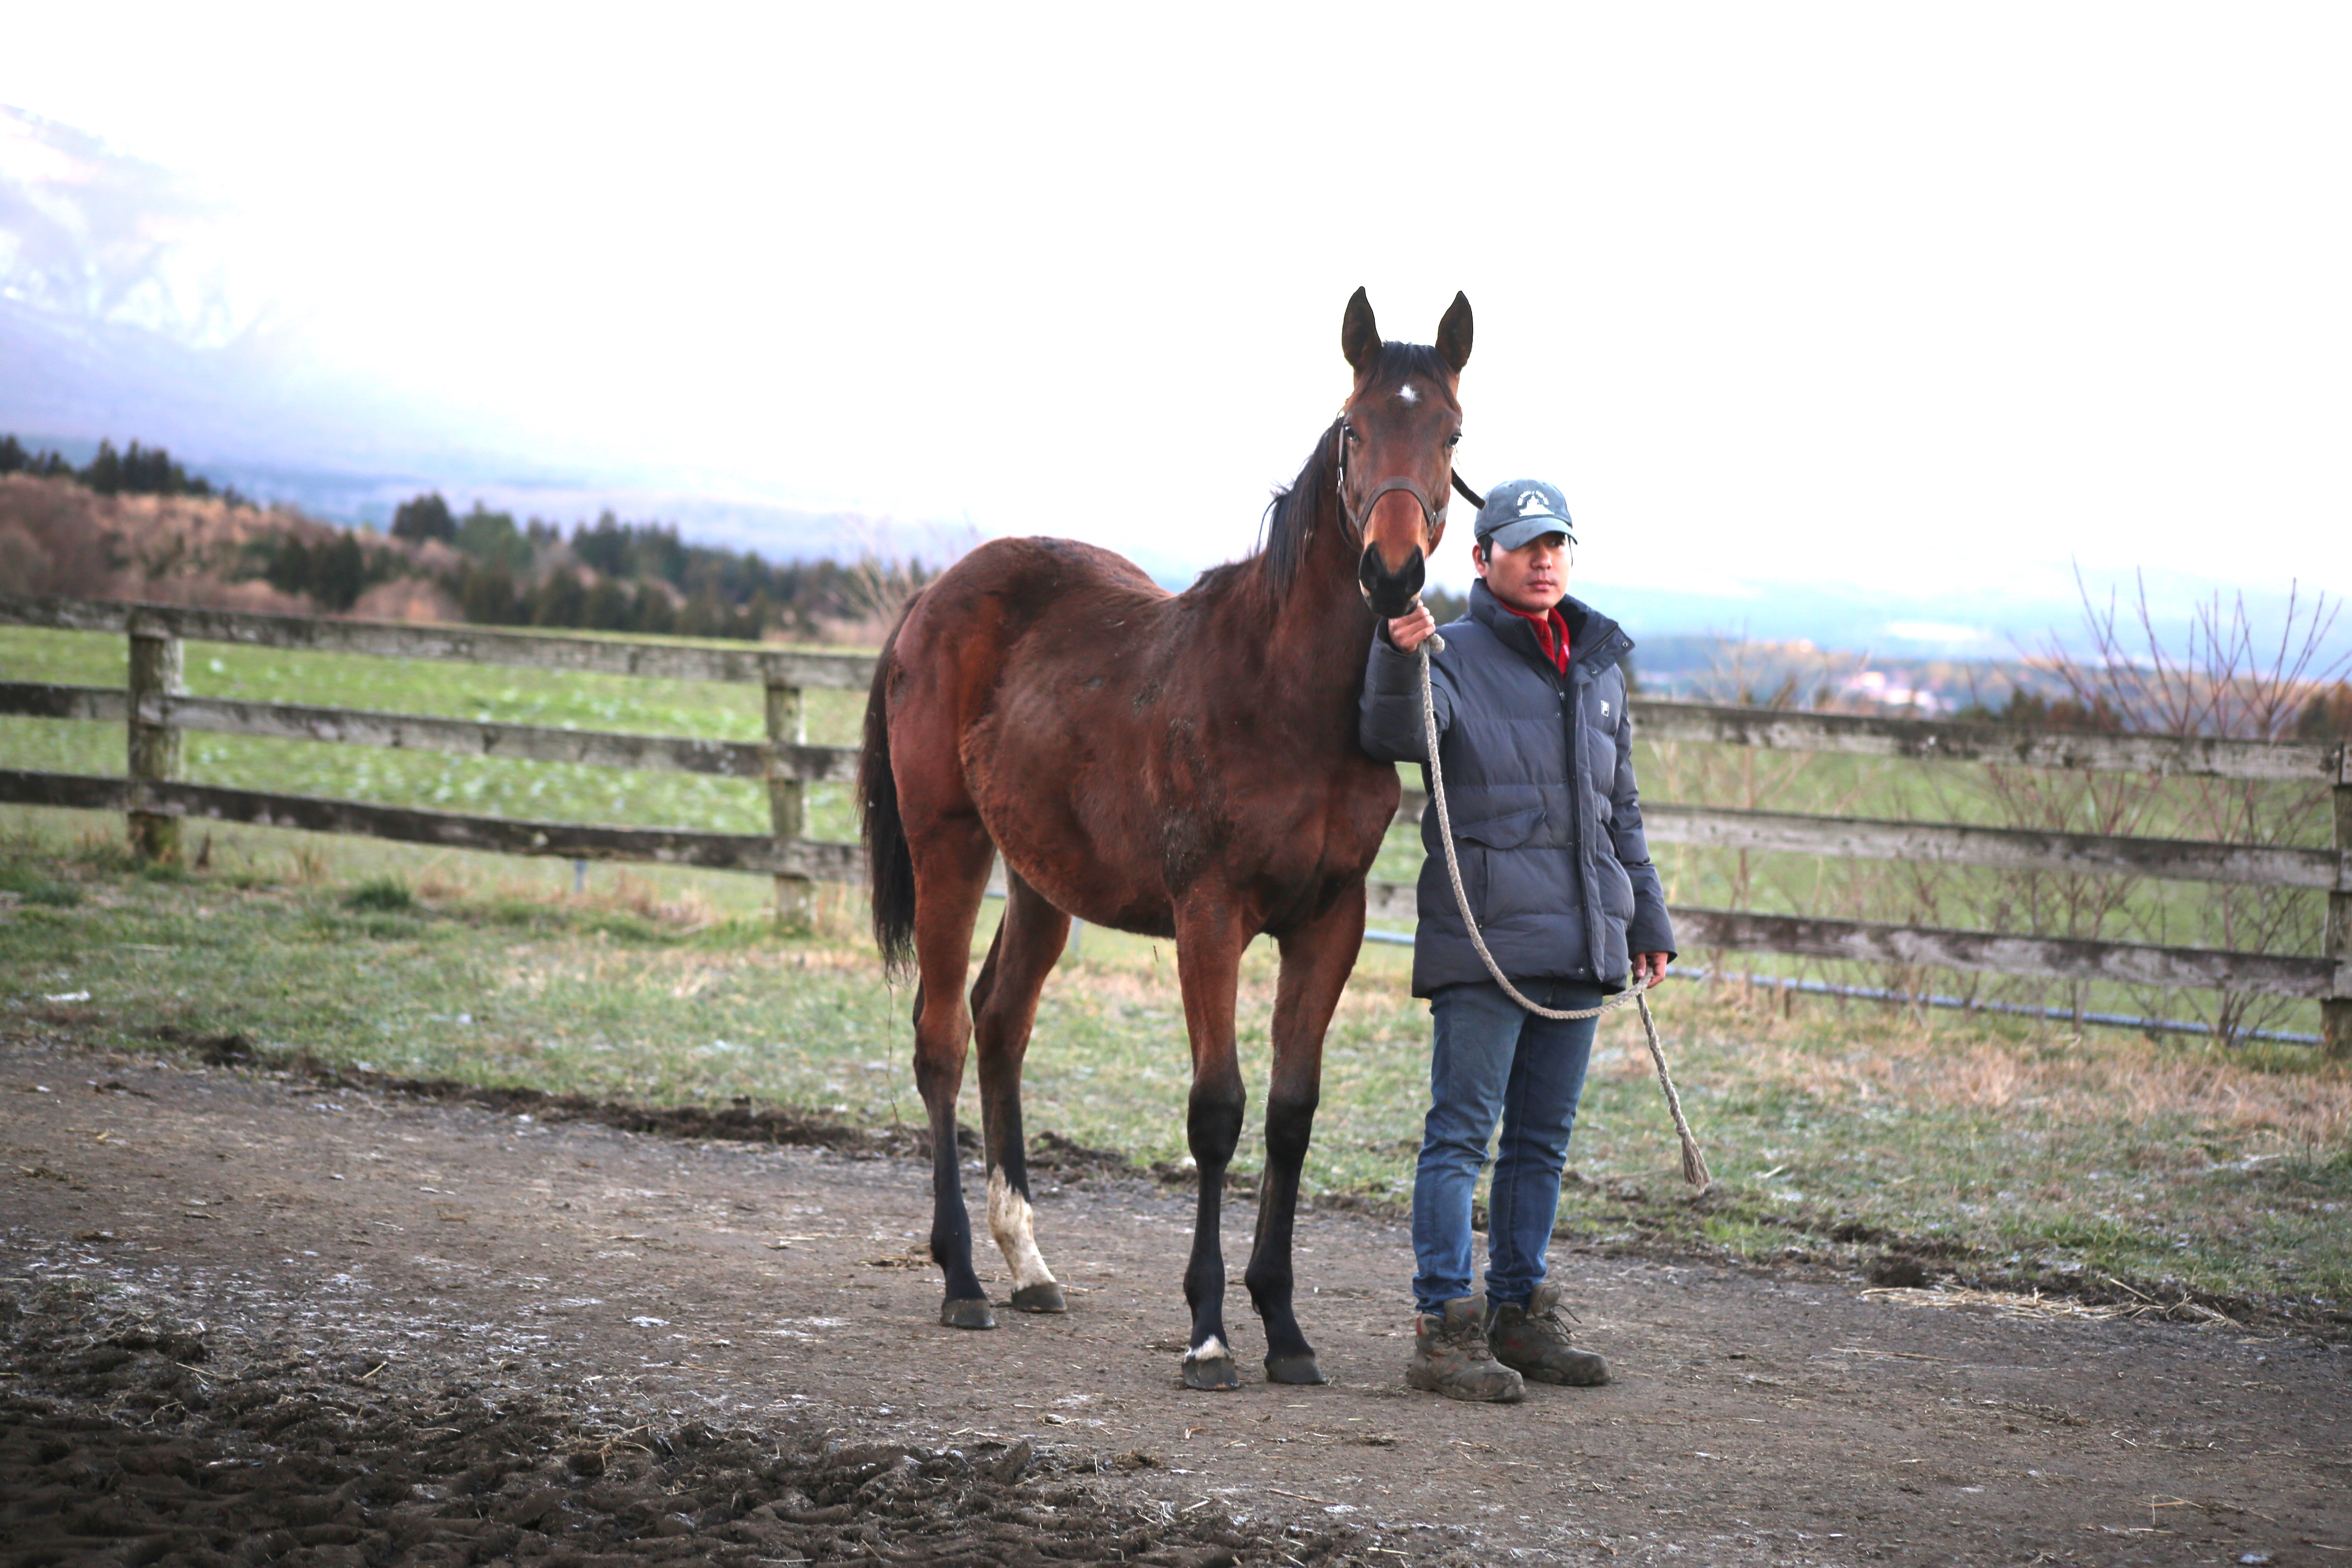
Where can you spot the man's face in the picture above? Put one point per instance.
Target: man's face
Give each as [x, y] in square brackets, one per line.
[1530, 579]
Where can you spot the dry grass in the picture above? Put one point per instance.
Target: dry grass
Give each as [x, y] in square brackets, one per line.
[2035, 1304]
[1915, 1064]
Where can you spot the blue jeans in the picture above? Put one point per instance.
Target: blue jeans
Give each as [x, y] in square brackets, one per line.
[1492, 1060]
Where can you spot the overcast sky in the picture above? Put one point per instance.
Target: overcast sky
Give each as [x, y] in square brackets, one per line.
[1894, 297]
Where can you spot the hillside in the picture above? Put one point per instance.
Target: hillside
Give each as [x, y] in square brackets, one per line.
[62, 533]
[57, 536]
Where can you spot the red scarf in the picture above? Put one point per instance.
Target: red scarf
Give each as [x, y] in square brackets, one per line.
[1551, 632]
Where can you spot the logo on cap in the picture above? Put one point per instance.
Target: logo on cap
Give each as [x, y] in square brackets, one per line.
[1535, 501]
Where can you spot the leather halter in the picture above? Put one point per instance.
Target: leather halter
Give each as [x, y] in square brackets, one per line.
[1433, 518]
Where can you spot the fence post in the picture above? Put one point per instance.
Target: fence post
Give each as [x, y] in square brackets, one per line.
[154, 755]
[787, 800]
[2335, 1011]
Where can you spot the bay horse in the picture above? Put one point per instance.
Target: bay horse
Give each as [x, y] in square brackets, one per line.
[1180, 765]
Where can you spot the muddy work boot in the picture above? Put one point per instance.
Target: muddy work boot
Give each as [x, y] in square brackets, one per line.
[1449, 1356]
[1534, 1342]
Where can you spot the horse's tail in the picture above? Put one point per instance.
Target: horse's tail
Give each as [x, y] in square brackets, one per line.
[889, 865]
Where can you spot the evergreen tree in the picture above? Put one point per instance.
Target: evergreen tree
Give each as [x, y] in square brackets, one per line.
[492, 538]
[289, 568]
[13, 456]
[653, 612]
[487, 597]
[104, 474]
[424, 517]
[608, 607]
[339, 573]
[559, 602]
[605, 548]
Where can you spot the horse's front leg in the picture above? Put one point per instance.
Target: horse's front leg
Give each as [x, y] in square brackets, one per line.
[1316, 960]
[1208, 961]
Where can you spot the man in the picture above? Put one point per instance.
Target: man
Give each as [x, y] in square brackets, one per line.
[1538, 763]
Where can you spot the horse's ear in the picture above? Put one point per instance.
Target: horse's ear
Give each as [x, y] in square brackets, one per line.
[1360, 335]
[1454, 333]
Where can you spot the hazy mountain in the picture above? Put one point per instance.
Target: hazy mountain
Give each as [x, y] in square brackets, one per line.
[124, 314]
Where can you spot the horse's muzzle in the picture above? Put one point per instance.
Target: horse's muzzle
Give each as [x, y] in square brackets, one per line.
[1390, 593]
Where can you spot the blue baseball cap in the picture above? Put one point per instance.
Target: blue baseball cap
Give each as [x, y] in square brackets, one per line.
[1521, 511]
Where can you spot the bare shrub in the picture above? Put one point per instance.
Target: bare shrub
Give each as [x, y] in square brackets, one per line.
[2227, 676]
[2230, 678]
[874, 594]
[53, 537]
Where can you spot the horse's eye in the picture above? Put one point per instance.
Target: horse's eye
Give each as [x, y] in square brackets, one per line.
[1350, 431]
[1454, 439]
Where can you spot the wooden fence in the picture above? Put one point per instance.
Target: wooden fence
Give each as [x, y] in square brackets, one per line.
[157, 712]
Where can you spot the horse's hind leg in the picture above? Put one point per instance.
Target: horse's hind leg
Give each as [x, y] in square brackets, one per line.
[951, 859]
[1317, 959]
[1004, 1009]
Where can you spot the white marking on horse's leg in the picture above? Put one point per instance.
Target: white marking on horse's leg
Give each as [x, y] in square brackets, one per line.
[1211, 1349]
[1009, 1222]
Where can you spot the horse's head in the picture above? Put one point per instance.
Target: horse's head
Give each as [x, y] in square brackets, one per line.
[1396, 450]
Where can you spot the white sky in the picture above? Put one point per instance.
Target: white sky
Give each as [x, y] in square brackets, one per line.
[1894, 297]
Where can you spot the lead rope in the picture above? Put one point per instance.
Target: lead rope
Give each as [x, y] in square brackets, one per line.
[1695, 1169]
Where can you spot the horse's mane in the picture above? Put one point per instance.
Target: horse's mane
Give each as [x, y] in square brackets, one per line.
[1289, 522]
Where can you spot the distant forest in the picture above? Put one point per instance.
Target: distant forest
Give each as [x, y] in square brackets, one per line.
[608, 576]
[135, 471]
[638, 577]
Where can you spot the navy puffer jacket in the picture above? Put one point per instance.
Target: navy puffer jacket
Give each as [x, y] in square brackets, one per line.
[1539, 785]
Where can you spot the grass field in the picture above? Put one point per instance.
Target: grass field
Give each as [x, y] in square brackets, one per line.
[2018, 1154]
[559, 792]
[2111, 907]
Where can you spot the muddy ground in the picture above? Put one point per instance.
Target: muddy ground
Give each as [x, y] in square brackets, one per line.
[250, 1316]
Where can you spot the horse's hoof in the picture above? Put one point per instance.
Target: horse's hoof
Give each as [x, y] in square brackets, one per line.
[970, 1313]
[1046, 1297]
[1297, 1369]
[1212, 1372]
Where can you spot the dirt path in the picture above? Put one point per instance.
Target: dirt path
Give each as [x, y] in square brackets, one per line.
[613, 1282]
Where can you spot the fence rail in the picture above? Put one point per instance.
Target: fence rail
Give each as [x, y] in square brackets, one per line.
[1952, 844]
[1938, 740]
[408, 732]
[467, 644]
[156, 712]
[499, 834]
[2032, 957]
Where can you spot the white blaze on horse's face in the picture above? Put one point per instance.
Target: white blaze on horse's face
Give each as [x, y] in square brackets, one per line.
[1406, 395]
[1009, 1221]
